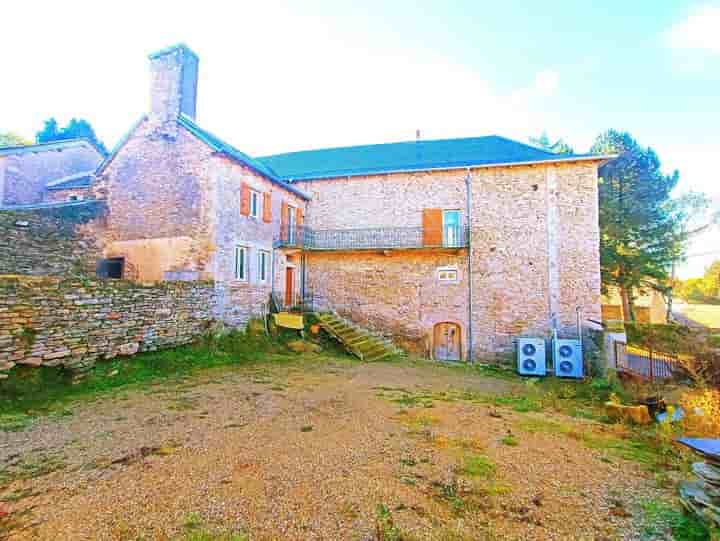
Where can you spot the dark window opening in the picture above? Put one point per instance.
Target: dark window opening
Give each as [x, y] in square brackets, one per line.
[111, 268]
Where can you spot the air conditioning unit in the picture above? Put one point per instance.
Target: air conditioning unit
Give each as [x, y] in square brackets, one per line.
[531, 357]
[567, 358]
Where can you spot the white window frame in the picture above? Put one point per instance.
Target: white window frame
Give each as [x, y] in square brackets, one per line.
[255, 204]
[245, 267]
[448, 275]
[447, 240]
[263, 269]
[292, 223]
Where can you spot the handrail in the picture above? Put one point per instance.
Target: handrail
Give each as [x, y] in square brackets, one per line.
[375, 238]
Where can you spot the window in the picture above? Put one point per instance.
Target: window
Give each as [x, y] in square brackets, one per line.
[263, 266]
[254, 204]
[241, 263]
[292, 222]
[111, 268]
[451, 228]
[447, 274]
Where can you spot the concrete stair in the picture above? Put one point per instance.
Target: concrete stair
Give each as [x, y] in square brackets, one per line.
[356, 340]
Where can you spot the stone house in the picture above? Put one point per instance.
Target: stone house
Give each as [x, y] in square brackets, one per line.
[649, 304]
[452, 247]
[47, 172]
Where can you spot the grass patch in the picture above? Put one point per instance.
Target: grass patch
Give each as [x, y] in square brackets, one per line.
[661, 518]
[31, 466]
[478, 466]
[521, 404]
[30, 392]
[509, 440]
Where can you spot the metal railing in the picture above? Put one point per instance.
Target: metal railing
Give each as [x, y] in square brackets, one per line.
[375, 238]
[303, 304]
[647, 364]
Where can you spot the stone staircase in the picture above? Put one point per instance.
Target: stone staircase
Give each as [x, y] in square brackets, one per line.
[356, 340]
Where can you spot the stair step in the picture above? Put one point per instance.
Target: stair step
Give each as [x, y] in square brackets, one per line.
[357, 341]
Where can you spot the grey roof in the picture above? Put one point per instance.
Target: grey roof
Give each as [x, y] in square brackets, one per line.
[410, 156]
[76, 180]
[44, 147]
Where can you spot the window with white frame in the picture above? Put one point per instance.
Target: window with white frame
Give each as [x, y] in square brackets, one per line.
[263, 269]
[447, 274]
[451, 228]
[241, 263]
[254, 204]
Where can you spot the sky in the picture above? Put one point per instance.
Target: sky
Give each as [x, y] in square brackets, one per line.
[292, 75]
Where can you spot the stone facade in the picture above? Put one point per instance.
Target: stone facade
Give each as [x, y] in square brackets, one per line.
[397, 294]
[24, 171]
[534, 252]
[69, 194]
[73, 323]
[54, 242]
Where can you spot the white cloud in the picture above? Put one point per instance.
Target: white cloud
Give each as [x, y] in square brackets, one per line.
[700, 31]
[546, 82]
[272, 77]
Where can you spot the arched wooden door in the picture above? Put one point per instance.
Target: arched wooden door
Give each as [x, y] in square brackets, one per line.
[446, 342]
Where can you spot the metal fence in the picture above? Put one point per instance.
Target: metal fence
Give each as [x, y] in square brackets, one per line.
[376, 238]
[647, 364]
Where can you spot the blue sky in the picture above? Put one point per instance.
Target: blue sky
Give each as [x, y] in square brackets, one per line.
[279, 76]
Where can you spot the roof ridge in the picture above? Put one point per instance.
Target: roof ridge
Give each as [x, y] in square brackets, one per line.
[48, 143]
[410, 142]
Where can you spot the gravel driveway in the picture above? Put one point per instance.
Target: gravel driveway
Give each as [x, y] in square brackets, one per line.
[325, 450]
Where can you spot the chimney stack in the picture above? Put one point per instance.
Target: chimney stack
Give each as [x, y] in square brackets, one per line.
[173, 84]
[417, 135]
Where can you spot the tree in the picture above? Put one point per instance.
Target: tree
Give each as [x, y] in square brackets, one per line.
[705, 289]
[642, 229]
[10, 139]
[76, 128]
[558, 147]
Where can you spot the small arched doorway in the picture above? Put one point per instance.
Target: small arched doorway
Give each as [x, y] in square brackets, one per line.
[446, 342]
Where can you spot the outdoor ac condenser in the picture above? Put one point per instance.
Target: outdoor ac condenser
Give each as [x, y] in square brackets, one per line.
[531, 356]
[567, 358]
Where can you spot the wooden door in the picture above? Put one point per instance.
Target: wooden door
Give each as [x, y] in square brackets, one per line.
[447, 342]
[289, 286]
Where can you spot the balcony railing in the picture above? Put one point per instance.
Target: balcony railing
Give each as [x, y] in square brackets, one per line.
[376, 238]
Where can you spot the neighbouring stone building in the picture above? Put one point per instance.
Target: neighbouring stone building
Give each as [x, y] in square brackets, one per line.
[56, 171]
[649, 306]
[451, 247]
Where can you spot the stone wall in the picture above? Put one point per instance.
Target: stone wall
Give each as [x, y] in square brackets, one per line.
[57, 196]
[398, 294]
[25, 174]
[74, 322]
[535, 248]
[50, 241]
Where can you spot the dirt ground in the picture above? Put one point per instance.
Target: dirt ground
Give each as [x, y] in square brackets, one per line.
[332, 450]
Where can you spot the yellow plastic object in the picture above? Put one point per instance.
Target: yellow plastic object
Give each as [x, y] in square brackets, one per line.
[289, 321]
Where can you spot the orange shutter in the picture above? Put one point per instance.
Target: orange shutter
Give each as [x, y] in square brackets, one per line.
[267, 209]
[299, 216]
[244, 199]
[284, 221]
[432, 227]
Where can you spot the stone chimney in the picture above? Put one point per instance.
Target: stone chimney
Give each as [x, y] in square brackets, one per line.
[173, 84]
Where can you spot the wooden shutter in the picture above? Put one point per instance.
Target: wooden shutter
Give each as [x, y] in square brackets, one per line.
[432, 227]
[244, 199]
[299, 216]
[267, 208]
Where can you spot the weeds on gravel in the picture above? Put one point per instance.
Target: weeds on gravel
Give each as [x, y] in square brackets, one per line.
[196, 529]
[661, 518]
[478, 466]
[30, 391]
[385, 527]
[31, 466]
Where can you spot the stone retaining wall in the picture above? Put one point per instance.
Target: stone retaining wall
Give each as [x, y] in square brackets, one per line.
[50, 241]
[75, 322]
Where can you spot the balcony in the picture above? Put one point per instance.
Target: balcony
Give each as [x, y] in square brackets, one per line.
[376, 238]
